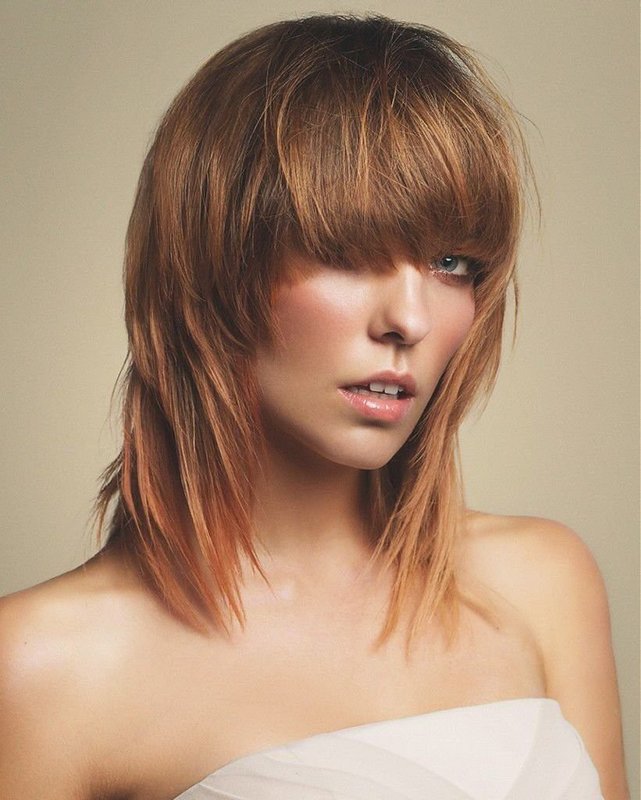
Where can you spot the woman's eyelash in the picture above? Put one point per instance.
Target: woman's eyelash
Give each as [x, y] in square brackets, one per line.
[472, 268]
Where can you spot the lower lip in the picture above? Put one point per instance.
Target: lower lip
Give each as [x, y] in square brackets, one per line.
[377, 406]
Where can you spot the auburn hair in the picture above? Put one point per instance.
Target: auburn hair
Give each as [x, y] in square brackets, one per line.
[346, 139]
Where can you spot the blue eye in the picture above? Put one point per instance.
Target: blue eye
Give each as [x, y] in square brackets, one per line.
[451, 264]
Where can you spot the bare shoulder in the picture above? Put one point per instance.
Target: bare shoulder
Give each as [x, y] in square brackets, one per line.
[61, 648]
[531, 557]
[531, 533]
[546, 570]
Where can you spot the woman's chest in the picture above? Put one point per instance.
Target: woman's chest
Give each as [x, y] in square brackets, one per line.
[296, 677]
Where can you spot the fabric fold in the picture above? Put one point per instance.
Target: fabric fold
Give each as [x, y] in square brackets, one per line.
[521, 749]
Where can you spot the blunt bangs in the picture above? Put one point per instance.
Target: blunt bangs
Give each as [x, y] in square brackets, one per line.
[388, 142]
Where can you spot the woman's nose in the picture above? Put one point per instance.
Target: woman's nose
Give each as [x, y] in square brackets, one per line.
[402, 313]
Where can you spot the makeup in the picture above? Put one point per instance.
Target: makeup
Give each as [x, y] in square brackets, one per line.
[377, 405]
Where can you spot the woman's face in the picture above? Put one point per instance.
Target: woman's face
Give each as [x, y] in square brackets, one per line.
[339, 328]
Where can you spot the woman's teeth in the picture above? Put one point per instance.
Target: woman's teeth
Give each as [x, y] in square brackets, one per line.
[390, 389]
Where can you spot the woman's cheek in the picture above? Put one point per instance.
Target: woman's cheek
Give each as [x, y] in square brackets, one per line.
[312, 312]
[458, 321]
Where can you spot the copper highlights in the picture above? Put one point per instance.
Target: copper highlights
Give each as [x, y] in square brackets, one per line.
[347, 139]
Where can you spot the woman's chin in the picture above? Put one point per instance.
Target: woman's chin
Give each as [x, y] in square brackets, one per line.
[360, 449]
[362, 458]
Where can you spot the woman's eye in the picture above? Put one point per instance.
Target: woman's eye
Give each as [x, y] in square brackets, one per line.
[453, 265]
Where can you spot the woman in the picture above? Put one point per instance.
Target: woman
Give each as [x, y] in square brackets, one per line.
[293, 600]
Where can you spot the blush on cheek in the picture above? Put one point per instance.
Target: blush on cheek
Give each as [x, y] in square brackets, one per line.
[458, 323]
[314, 308]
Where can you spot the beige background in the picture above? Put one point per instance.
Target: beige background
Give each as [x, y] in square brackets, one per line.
[84, 85]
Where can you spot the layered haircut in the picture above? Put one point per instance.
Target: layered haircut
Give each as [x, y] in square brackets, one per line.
[348, 140]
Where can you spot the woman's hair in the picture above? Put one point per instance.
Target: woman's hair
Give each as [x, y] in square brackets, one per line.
[347, 140]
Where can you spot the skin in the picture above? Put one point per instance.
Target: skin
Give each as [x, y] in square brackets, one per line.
[338, 327]
[87, 658]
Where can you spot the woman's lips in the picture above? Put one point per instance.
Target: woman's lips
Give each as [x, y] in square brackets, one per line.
[377, 405]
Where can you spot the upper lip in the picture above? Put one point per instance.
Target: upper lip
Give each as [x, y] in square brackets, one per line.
[404, 380]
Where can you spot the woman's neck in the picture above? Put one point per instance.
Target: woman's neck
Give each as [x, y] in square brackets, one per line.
[307, 513]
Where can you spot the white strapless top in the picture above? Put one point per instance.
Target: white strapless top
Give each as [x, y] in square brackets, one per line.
[520, 749]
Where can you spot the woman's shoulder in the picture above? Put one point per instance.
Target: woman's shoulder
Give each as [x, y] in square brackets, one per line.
[64, 645]
[63, 619]
[534, 547]
[520, 529]
[537, 564]
[545, 570]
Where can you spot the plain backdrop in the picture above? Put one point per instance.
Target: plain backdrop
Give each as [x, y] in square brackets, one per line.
[83, 86]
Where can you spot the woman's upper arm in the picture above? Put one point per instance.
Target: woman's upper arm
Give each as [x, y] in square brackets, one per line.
[42, 754]
[575, 633]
